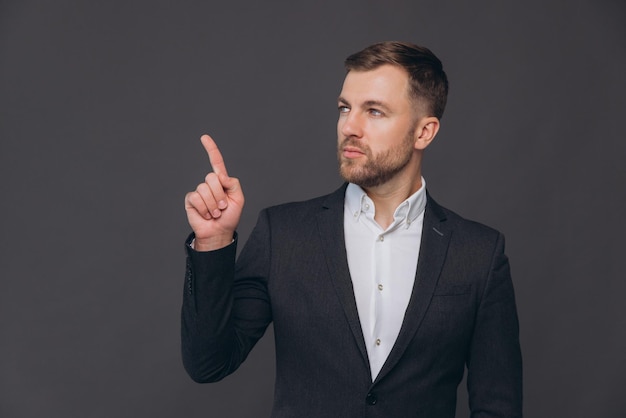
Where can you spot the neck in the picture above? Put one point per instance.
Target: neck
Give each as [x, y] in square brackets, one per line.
[387, 197]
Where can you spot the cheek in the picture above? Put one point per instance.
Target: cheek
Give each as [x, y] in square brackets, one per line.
[393, 135]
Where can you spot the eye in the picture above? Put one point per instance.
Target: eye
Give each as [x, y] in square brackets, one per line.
[375, 112]
[343, 109]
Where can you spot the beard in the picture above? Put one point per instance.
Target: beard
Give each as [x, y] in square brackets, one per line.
[377, 169]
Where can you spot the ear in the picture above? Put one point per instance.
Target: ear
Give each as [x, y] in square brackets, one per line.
[426, 131]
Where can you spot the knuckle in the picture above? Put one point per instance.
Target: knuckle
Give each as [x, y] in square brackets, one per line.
[202, 188]
[211, 177]
[197, 201]
[216, 186]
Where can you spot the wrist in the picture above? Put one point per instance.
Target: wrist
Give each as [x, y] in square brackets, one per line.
[212, 243]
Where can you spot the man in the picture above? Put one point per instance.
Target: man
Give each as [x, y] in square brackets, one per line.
[379, 296]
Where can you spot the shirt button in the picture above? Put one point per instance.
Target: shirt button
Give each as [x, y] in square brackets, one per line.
[366, 206]
[378, 341]
[380, 287]
[381, 238]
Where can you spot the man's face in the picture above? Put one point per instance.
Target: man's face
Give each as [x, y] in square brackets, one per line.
[376, 126]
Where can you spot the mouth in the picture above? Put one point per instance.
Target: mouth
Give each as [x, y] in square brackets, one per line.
[351, 152]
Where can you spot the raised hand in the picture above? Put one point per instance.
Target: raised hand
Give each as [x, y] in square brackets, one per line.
[214, 208]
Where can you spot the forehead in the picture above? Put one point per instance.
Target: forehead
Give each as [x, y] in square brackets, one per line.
[386, 83]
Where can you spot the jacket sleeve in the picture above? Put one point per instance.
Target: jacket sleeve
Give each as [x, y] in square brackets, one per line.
[224, 313]
[494, 362]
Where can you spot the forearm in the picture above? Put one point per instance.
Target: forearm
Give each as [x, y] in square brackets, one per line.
[494, 362]
[225, 311]
[209, 342]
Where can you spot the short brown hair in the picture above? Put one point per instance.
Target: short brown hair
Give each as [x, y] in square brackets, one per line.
[428, 81]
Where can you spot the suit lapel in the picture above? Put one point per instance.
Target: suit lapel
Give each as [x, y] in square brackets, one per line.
[433, 249]
[330, 225]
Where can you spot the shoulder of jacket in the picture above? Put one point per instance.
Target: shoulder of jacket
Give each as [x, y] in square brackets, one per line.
[460, 223]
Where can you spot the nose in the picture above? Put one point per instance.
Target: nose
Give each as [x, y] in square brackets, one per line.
[350, 125]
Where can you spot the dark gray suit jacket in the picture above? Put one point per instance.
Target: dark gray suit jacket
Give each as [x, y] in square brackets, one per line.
[294, 271]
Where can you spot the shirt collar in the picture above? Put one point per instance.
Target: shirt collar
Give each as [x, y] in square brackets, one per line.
[358, 202]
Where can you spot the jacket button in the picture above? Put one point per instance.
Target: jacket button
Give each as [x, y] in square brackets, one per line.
[371, 399]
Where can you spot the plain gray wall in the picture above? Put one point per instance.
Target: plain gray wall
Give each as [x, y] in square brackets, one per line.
[101, 108]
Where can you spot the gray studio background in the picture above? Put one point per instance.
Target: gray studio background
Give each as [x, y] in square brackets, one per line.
[101, 108]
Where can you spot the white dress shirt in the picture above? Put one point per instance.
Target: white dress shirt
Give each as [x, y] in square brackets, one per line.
[382, 265]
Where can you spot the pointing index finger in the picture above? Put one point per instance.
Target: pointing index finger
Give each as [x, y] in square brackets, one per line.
[215, 156]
